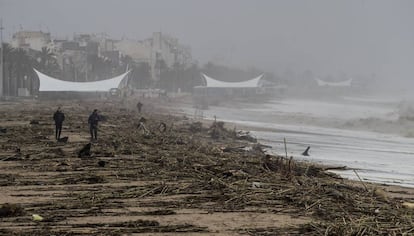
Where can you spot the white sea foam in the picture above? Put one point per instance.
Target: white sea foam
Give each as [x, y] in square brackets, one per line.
[379, 156]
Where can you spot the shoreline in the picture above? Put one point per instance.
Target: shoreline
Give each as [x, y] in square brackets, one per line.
[181, 111]
[398, 189]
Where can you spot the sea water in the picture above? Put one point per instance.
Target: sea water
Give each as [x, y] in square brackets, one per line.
[381, 157]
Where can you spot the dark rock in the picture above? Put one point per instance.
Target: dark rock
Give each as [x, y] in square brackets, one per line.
[34, 122]
[85, 151]
[63, 140]
[102, 163]
[306, 152]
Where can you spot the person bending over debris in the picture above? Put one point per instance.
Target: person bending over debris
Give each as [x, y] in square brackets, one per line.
[58, 117]
[93, 124]
[139, 106]
[141, 126]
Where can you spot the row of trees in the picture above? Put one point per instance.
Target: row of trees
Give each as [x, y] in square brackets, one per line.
[17, 70]
[19, 64]
[185, 77]
[179, 76]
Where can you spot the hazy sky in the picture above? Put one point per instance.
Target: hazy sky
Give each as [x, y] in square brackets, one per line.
[325, 36]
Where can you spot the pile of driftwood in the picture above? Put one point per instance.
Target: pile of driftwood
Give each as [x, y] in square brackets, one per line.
[233, 177]
[236, 178]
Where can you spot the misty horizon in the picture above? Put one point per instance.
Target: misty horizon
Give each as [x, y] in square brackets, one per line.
[326, 37]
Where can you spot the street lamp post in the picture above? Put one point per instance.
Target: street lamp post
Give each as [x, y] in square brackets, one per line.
[1, 58]
[25, 85]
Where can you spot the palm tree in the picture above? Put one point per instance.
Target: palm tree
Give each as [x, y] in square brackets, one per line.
[22, 70]
[20, 59]
[191, 77]
[140, 75]
[18, 68]
[47, 62]
[7, 66]
[163, 73]
[126, 60]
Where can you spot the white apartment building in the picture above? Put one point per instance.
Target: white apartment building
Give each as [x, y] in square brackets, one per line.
[31, 39]
[159, 47]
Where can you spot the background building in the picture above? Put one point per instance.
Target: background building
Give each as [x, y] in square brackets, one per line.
[158, 51]
[35, 40]
[158, 61]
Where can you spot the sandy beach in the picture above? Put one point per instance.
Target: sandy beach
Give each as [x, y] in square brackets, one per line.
[191, 178]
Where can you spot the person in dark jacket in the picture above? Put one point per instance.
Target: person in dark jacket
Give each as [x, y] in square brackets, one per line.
[58, 117]
[93, 124]
[139, 106]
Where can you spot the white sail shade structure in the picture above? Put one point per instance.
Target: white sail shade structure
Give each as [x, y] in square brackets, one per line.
[346, 83]
[49, 84]
[213, 83]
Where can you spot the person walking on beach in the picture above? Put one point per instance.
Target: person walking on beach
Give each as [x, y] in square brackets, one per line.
[93, 124]
[58, 117]
[139, 106]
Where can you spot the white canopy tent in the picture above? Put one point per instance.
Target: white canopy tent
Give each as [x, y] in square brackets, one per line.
[213, 83]
[346, 83]
[49, 84]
